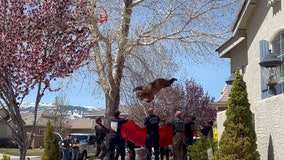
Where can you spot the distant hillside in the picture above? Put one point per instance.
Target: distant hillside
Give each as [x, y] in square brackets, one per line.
[74, 112]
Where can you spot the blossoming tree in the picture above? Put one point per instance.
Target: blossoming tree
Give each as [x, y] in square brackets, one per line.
[40, 41]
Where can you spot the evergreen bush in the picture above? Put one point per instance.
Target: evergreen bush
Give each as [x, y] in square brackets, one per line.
[5, 157]
[238, 140]
[51, 146]
[200, 147]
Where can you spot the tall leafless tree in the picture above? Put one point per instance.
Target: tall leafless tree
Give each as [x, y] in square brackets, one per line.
[60, 120]
[138, 32]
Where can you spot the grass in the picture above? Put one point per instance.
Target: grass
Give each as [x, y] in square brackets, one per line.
[16, 152]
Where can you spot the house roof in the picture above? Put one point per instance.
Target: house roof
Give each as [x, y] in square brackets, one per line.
[82, 123]
[223, 100]
[43, 117]
[238, 29]
[244, 13]
[29, 118]
[224, 49]
[124, 111]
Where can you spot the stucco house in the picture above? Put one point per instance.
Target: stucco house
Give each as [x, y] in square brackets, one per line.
[73, 126]
[84, 125]
[258, 28]
[222, 103]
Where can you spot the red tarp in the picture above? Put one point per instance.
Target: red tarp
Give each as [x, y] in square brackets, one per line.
[137, 135]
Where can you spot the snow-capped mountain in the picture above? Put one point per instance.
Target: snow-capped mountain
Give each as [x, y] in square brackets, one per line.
[73, 112]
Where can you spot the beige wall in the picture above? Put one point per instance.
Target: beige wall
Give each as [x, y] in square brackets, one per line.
[221, 117]
[269, 126]
[269, 123]
[239, 56]
[38, 142]
[5, 131]
[264, 23]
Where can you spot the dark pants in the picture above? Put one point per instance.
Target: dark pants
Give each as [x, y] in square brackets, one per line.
[102, 149]
[131, 150]
[98, 150]
[119, 142]
[164, 152]
[152, 139]
[187, 142]
[66, 154]
[75, 153]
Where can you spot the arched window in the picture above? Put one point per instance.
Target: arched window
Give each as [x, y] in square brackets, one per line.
[278, 48]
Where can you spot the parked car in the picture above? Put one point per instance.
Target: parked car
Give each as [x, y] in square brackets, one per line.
[88, 144]
[59, 137]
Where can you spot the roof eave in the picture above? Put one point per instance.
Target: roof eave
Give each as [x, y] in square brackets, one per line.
[238, 29]
[243, 15]
[224, 49]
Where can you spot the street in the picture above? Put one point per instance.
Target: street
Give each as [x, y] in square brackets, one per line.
[17, 157]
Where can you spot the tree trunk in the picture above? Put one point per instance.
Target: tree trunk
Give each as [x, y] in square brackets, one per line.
[23, 141]
[112, 103]
[23, 152]
[20, 135]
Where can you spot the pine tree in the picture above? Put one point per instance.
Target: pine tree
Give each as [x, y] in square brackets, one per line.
[200, 147]
[51, 147]
[238, 140]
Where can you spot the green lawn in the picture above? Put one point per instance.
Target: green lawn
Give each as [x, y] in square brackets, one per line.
[15, 151]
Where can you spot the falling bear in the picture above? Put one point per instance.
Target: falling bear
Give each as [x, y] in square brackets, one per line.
[149, 91]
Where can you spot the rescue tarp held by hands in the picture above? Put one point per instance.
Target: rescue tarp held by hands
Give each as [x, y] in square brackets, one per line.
[134, 133]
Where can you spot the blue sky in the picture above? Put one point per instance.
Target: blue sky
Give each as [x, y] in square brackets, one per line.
[211, 76]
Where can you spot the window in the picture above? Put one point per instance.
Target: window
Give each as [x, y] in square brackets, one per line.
[263, 50]
[278, 48]
[41, 131]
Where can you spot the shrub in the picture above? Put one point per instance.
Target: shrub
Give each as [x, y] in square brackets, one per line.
[200, 147]
[51, 147]
[238, 140]
[5, 157]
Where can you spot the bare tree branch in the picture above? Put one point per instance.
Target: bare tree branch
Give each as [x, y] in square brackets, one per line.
[142, 39]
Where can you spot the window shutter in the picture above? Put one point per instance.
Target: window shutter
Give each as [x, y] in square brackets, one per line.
[264, 50]
[278, 49]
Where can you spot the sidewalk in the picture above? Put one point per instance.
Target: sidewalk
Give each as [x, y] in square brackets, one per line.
[17, 157]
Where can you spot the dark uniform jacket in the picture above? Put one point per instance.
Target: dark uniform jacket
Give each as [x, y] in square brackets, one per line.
[152, 124]
[115, 126]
